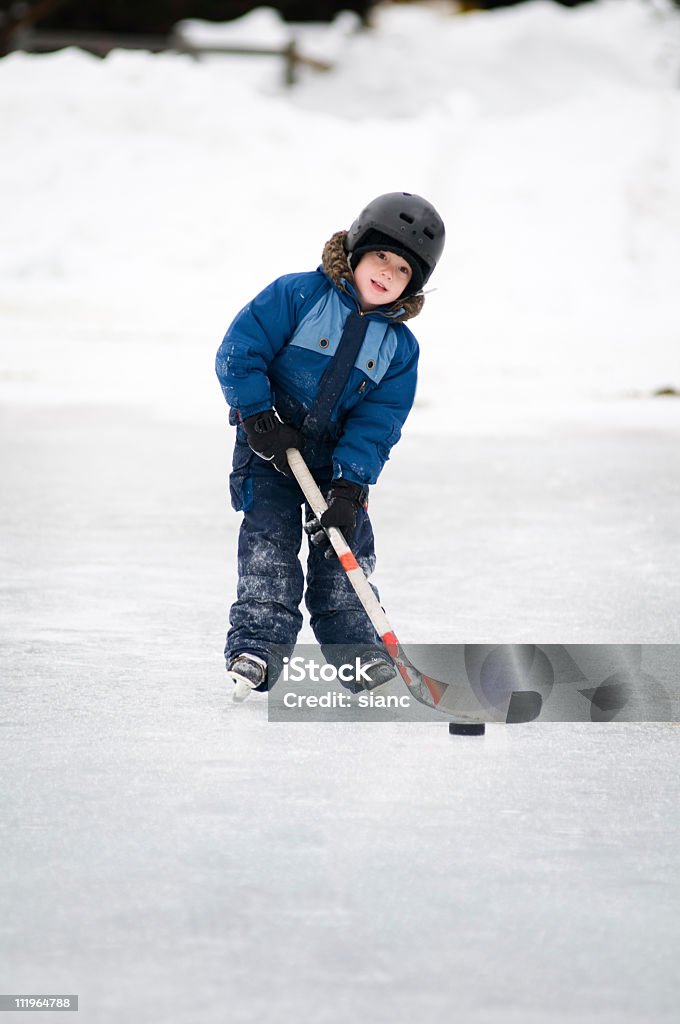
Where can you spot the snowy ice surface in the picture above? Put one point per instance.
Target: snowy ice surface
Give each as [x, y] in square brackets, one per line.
[162, 846]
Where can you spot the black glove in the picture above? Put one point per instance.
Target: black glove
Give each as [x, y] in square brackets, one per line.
[344, 499]
[269, 437]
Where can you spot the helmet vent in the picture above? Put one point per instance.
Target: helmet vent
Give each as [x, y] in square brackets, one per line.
[405, 216]
[430, 234]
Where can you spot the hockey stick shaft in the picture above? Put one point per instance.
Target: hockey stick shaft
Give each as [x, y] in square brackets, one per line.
[424, 688]
[355, 573]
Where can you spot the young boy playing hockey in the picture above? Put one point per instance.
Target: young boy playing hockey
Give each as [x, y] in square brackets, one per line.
[323, 362]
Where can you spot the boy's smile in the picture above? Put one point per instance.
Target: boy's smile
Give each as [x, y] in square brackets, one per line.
[380, 278]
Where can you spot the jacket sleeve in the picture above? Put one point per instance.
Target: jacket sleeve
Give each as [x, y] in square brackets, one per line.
[253, 340]
[373, 426]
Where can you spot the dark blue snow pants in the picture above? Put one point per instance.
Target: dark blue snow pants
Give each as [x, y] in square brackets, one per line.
[270, 576]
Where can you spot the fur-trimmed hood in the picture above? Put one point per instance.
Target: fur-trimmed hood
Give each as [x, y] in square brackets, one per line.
[335, 263]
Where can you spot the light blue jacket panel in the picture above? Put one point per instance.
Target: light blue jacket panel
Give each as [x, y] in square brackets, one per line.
[279, 346]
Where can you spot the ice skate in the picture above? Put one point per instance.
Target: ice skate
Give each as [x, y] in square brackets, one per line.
[378, 669]
[247, 672]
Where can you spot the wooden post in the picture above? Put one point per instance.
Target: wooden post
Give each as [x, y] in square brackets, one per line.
[27, 16]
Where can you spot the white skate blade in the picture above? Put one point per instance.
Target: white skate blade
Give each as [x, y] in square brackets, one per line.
[242, 687]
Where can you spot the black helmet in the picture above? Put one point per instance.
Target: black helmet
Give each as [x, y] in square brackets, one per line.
[409, 221]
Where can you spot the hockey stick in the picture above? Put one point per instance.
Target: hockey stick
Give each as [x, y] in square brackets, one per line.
[424, 688]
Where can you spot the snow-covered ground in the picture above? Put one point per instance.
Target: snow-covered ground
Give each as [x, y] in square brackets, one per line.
[165, 849]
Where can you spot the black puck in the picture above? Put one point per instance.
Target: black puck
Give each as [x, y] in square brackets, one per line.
[467, 728]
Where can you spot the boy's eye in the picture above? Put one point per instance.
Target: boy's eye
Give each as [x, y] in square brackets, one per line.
[381, 255]
[404, 270]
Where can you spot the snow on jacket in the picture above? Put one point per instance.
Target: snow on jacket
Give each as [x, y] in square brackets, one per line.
[277, 350]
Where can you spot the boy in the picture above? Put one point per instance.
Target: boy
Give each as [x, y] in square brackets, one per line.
[321, 361]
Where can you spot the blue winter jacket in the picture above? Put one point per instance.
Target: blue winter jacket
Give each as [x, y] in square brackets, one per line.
[277, 349]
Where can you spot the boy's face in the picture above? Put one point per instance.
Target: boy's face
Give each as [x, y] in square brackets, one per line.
[380, 278]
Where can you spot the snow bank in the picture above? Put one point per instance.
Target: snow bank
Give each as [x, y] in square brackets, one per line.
[148, 197]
